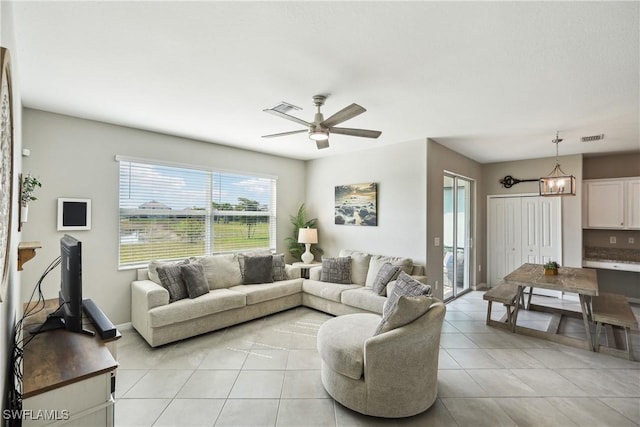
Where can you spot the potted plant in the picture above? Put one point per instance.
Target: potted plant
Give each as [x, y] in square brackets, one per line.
[29, 185]
[551, 268]
[299, 221]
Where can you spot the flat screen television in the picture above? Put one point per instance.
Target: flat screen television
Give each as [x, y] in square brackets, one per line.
[69, 314]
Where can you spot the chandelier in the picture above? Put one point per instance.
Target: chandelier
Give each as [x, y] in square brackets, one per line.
[557, 183]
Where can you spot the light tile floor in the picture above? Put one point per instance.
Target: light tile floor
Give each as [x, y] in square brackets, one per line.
[266, 373]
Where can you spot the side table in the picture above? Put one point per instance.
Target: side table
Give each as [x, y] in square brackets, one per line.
[304, 267]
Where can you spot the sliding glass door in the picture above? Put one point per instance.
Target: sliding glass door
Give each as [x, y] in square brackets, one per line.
[457, 237]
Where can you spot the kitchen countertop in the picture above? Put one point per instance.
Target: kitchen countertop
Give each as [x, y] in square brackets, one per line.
[612, 258]
[627, 256]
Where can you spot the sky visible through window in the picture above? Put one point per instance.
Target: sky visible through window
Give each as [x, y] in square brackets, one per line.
[180, 188]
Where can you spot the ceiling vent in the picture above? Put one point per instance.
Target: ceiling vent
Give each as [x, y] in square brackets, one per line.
[592, 138]
[285, 107]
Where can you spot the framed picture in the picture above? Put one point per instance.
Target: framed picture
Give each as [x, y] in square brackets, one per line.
[356, 204]
[74, 214]
[6, 168]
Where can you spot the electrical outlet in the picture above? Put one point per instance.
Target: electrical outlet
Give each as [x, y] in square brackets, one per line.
[436, 241]
[612, 240]
[631, 240]
[436, 285]
[479, 268]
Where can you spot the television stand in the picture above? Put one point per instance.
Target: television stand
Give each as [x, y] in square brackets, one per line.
[54, 321]
[68, 379]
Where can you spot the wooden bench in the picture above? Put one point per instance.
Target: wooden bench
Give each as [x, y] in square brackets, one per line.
[507, 295]
[613, 309]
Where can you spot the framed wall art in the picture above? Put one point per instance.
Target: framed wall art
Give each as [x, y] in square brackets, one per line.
[6, 168]
[74, 214]
[356, 204]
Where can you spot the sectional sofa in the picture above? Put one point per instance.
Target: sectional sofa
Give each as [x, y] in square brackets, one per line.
[229, 301]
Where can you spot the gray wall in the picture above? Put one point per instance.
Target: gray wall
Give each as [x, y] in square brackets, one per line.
[400, 173]
[76, 158]
[571, 205]
[10, 308]
[439, 160]
[611, 166]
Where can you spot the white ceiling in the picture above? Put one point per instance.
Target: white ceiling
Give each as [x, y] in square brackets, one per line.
[493, 81]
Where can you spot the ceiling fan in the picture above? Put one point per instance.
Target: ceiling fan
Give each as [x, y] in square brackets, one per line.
[320, 128]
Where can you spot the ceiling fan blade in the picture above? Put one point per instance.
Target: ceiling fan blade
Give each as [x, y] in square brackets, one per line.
[286, 116]
[322, 144]
[365, 133]
[274, 135]
[345, 114]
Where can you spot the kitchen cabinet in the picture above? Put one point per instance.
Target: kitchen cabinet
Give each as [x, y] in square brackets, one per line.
[611, 204]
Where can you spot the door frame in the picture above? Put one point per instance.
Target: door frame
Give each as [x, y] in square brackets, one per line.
[470, 270]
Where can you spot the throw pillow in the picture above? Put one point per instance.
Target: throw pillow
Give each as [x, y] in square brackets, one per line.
[243, 255]
[407, 310]
[258, 269]
[171, 279]
[405, 286]
[153, 268]
[387, 273]
[336, 270]
[279, 270]
[377, 261]
[194, 279]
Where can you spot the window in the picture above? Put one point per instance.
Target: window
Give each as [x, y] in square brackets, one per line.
[174, 212]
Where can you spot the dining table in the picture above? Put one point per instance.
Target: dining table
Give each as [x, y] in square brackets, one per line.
[580, 281]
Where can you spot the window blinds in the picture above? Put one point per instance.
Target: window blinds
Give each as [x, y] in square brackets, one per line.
[174, 212]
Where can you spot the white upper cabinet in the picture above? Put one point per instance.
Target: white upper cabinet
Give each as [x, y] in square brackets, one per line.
[633, 204]
[611, 203]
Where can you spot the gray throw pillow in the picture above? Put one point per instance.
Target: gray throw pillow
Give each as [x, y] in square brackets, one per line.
[405, 286]
[243, 255]
[407, 310]
[279, 270]
[387, 273]
[153, 268]
[171, 279]
[258, 269]
[336, 270]
[194, 279]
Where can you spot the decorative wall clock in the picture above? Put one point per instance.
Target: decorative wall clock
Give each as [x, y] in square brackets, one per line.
[6, 168]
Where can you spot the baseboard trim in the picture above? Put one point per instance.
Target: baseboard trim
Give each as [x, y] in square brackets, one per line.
[124, 326]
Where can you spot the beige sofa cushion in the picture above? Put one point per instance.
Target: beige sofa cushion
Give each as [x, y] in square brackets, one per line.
[326, 290]
[186, 309]
[364, 298]
[341, 342]
[269, 291]
[222, 271]
[377, 261]
[359, 265]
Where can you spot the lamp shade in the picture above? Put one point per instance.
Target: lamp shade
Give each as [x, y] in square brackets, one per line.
[308, 235]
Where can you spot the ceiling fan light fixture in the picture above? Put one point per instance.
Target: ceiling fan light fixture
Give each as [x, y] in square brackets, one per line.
[319, 135]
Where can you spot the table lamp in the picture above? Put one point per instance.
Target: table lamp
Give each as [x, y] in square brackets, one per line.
[307, 236]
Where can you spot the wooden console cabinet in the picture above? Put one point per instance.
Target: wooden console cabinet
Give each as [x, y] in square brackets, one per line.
[68, 378]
